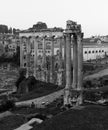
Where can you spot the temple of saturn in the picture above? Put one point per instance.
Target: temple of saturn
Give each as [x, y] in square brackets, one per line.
[56, 68]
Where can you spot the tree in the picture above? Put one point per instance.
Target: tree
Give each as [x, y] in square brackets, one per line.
[3, 29]
[10, 30]
[14, 30]
[40, 25]
[16, 56]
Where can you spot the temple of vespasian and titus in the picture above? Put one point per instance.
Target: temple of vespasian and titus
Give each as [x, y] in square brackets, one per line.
[55, 66]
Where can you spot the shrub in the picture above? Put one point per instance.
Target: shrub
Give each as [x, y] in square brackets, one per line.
[6, 105]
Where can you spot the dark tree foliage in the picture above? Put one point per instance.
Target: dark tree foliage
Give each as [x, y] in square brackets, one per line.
[40, 25]
[14, 31]
[10, 30]
[16, 57]
[3, 29]
[22, 77]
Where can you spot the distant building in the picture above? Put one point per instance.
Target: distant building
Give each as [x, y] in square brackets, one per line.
[93, 48]
[9, 44]
[43, 32]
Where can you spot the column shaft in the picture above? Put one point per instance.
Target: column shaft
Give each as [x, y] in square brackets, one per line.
[64, 60]
[44, 59]
[35, 56]
[80, 66]
[28, 57]
[21, 53]
[75, 62]
[52, 60]
[68, 70]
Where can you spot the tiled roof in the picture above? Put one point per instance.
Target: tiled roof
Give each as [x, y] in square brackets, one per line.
[94, 42]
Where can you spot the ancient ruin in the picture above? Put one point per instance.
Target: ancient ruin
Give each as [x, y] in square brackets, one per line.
[56, 65]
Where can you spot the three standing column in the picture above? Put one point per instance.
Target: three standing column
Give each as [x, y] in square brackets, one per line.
[74, 90]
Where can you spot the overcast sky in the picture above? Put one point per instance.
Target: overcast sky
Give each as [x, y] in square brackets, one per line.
[22, 14]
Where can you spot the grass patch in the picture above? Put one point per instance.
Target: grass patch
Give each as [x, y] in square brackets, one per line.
[89, 118]
[40, 89]
[11, 122]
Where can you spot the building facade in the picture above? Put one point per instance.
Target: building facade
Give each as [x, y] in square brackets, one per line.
[93, 48]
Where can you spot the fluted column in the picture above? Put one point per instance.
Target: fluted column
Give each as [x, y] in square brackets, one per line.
[75, 62]
[28, 56]
[68, 69]
[80, 66]
[60, 70]
[64, 82]
[52, 61]
[21, 53]
[35, 56]
[44, 59]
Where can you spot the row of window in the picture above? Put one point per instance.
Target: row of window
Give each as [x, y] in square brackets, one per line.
[42, 51]
[94, 51]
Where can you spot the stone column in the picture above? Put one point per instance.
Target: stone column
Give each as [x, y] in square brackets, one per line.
[21, 53]
[35, 56]
[80, 66]
[52, 61]
[75, 62]
[64, 82]
[44, 59]
[60, 70]
[60, 50]
[68, 70]
[28, 57]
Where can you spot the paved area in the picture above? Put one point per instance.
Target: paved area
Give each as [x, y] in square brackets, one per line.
[41, 101]
[27, 126]
[5, 114]
[98, 74]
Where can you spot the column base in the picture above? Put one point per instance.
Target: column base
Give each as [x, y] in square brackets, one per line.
[67, 98]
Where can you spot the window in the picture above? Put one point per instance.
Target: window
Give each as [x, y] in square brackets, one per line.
[96, 51]
[89, 51]
[102, 50]
[39, 51]
[40, 46]
[24, 57]
[99, 50]
[85, 52]
[24, 64]
[92, 51]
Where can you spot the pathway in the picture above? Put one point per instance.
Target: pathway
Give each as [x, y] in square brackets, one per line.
[98, 74]
[41, 101]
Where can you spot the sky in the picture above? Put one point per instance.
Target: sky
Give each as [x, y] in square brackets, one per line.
[22, 14]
